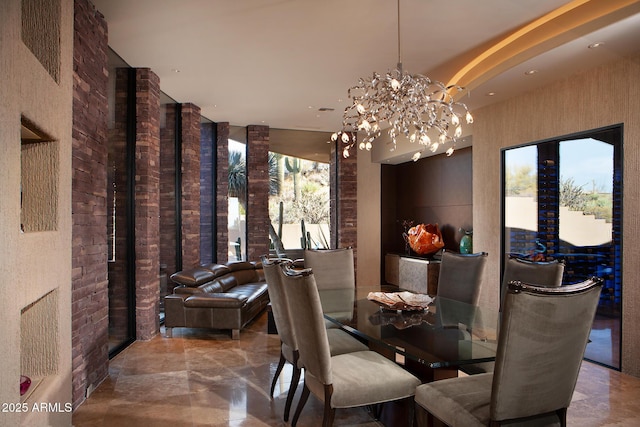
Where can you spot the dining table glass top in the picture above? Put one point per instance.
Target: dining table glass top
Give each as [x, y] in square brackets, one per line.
[438, 333]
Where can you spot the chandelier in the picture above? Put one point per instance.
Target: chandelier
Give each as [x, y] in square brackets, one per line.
[410, 105]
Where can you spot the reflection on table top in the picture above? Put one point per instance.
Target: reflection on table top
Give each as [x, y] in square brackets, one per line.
[448, 333]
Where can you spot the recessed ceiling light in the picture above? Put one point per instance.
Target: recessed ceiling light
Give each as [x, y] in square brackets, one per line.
[326, 109]
[490, 94]
[175, 70]
[530, 72]
[595, 45]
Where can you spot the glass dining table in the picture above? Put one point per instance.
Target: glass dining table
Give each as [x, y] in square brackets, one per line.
[433, 340]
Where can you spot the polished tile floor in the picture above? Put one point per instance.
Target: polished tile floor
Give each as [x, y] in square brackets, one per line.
[203, 378]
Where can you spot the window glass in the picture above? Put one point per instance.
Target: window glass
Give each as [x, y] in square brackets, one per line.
[237, 219]
[299, 203]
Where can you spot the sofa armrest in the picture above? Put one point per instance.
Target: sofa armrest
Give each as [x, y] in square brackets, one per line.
[216, 300]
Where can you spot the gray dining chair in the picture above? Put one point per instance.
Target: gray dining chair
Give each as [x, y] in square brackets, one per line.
[460, 280]
[334, 272]
[339, 341]
[348, 380]
[541, 273]
[541, 344]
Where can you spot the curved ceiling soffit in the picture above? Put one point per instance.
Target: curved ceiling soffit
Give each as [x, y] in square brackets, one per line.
[562, 25]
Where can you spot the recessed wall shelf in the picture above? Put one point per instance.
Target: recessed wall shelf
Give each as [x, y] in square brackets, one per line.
[39, 160]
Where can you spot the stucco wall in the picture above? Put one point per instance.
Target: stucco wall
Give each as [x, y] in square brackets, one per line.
[368, 206]
[595, 98]
[35, 263]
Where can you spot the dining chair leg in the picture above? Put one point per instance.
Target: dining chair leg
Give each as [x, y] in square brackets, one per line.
[562, 415]
[295, 379]
[281, 363]
[303, 399]
[412, 411]
[329, 412]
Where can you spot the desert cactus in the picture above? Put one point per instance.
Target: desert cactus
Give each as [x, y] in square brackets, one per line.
[280, 219]
[294, 168]
[303, 239]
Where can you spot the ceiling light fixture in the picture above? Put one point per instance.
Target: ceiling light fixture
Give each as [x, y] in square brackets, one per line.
[410, 105]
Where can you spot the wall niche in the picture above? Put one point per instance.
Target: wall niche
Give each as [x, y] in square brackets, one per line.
[39, 160]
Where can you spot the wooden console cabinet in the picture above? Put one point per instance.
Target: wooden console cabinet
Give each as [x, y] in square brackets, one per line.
[412, 273]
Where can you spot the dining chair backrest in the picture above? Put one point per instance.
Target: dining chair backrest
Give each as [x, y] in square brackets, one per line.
[541, 273]
[541, 344]
[306, 314]
[279, 306]
[459, 288]
[334, 273]
[461, 276]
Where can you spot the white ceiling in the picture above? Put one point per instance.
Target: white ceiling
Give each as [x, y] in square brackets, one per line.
[278, 62]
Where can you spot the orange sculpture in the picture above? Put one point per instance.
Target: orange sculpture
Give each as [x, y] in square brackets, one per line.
[425, 239]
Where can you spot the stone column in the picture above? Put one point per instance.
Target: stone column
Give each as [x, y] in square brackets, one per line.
[90, 309]
[207, 201]
[147, 203]
[343, 199]
[258, 192]
[222, 192]
[190, 185]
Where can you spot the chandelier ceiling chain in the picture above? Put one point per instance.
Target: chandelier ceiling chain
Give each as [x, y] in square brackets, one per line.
[411, 105]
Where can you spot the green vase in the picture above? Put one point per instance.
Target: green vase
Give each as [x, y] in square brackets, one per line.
[466, 242]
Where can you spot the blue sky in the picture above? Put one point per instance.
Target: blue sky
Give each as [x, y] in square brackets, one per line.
[588, 161]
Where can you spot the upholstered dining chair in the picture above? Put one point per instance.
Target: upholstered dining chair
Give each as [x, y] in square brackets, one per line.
[343, 381]
[339, 341]
[542, 341]
[334, 273]
[460, 280]
[541, 273]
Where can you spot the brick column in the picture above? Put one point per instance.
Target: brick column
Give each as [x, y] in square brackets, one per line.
[184, 229]
[207, 202]
[89, 310]
[258, 192]
[168, 192]
[343, 199]
[190, 185]
[118, 192]
[147, 203]
[222, 192]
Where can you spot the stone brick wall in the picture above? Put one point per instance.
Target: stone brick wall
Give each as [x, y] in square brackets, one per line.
[90, 319]
[147, 203]
[190, 185]
[343, 199]
[258, 191]
[222, 192]
[118, 268]
[189, 220]
[207, 169]
[168, 192]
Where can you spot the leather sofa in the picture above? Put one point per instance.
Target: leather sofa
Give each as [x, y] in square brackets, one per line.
[216, 296]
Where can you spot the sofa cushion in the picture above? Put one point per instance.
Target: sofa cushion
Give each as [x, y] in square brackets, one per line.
[251, 290]
[193, 276]
[217, 269]
[245, 276]
[211, 287]
[241, 265]
[227, 282]
[224, 300]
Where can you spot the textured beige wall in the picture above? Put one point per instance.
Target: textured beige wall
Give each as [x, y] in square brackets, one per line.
[368, 243]
[595, 98]
[33, 264]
